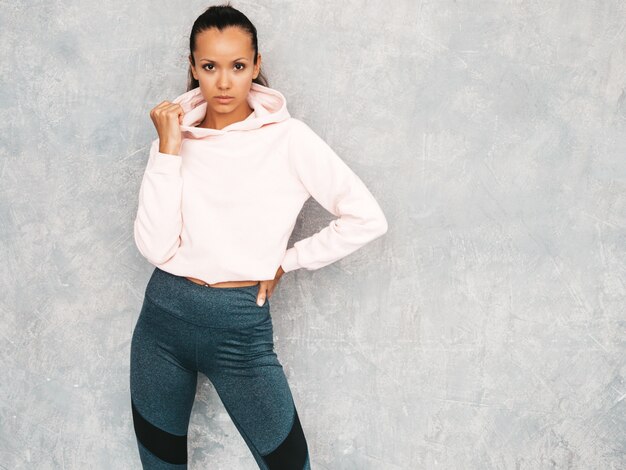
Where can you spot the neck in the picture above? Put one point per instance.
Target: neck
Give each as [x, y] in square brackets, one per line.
[213, 120]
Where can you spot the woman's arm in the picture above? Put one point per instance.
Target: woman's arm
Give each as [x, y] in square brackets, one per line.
[341, 192]
[159, 221]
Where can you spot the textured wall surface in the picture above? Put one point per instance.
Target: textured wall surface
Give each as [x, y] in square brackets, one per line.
[485, 330]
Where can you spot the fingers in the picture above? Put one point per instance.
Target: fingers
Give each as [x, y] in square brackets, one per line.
[265, 292]
[165, 108]
[260, 299]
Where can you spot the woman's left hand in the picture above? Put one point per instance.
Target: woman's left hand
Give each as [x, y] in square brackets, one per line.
[267, 287]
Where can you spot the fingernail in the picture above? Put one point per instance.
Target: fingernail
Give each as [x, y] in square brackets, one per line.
[260, 302]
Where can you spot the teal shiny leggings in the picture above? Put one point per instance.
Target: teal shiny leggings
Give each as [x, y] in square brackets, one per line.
[185, 328]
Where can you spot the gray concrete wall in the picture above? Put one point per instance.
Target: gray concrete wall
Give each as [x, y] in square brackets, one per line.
[485, 330]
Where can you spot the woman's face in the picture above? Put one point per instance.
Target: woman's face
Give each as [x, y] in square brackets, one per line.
[224, 66]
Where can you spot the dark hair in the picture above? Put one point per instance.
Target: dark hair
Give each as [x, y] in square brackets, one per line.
[221, 17]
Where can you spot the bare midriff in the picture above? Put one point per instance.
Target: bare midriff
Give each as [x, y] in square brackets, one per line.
[223, 284]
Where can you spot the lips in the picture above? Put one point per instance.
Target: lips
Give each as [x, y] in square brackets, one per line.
[223, 100]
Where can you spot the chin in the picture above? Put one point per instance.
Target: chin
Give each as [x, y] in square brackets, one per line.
[224, 108]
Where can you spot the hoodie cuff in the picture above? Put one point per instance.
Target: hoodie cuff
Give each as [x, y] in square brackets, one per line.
[290, 260]
[165, 163]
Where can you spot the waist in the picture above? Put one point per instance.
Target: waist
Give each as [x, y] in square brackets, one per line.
[223, 284]
[232, 308]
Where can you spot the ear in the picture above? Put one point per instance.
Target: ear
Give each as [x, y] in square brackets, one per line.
[193, 70]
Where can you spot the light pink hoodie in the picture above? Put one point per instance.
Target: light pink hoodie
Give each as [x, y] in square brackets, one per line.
[224, 209]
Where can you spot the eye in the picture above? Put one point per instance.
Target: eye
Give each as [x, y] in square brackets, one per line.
[243, 66]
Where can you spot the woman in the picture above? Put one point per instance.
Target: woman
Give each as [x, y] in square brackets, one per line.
[224, 184]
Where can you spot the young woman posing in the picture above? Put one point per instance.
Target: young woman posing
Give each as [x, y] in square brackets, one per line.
[224, 184]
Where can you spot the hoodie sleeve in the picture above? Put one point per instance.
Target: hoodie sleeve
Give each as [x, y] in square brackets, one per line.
[341, 192]
[159, 221]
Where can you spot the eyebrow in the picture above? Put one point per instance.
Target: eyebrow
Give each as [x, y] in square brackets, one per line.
[211, 60]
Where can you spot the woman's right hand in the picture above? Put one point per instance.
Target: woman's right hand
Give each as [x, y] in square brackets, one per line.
[167, 118]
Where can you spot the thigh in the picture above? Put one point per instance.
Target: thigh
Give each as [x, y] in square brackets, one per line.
[261, 406]
[250, 381]
[162, 387]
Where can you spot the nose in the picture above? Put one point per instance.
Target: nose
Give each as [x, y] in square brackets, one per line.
[223, 82]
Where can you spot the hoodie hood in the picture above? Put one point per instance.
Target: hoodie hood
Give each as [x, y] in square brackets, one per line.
[269, 106]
